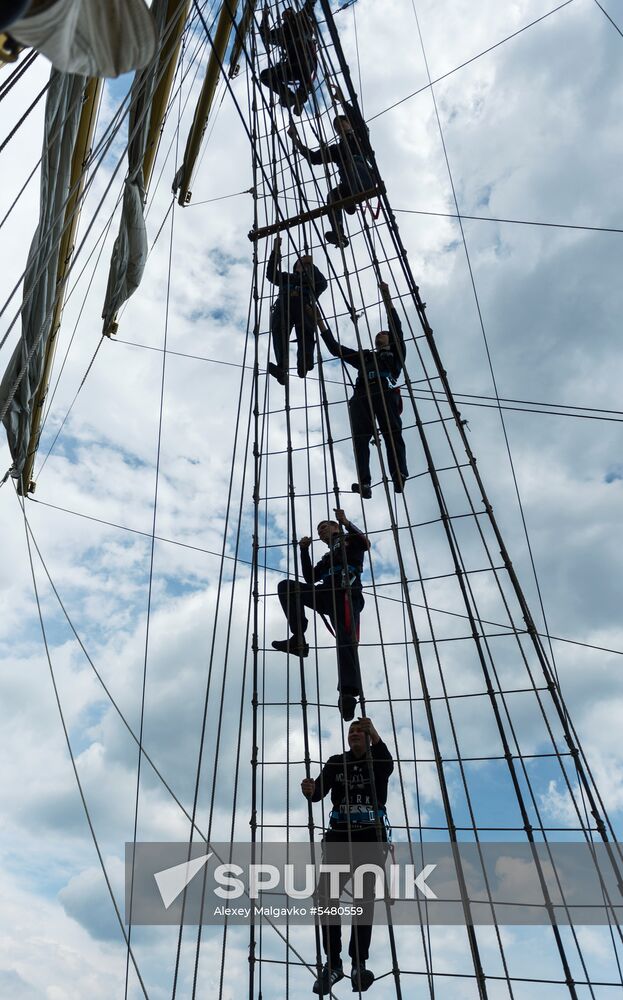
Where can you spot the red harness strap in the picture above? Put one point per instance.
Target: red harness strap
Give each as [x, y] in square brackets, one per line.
[347, 617]
[373, 212]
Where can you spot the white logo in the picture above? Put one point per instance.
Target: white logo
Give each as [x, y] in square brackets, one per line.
[172, 881]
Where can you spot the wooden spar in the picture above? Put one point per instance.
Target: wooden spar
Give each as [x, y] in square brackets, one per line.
[241, 33]
[167, 65]
[82, 148]
[315, 213]
[204, 104]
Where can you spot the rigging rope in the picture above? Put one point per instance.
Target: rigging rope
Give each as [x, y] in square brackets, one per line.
[70, 751]
[451, 495]
[195, 60]
[472, 59]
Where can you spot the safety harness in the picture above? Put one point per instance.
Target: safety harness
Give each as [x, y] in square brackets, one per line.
[348, 577]
[359, 816]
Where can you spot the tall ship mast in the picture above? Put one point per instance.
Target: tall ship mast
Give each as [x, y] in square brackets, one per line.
[303, 545]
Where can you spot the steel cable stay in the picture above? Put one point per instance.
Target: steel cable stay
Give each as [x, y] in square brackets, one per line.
[31, 107]
[289, 452]
[451, 553]
[152, 550]
[519, 756]
[273, 569]
[70, 751]
[460, 425]
[290, 514]
[16, 74]
[466, 399]
[583, 789]
[148, 758]
[197, 952]
[612, 22]
[291, 490]
[330, 441]
[271, 201]
[245, 450]
[473, 59]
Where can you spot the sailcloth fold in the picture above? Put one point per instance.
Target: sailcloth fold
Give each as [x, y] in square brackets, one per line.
[129, 254]
[23, 374]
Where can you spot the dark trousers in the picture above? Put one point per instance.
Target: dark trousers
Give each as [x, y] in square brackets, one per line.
[361, 928]
[282, 321]
[277, 78]
[343, 612]
[361, 180]
[390, 426]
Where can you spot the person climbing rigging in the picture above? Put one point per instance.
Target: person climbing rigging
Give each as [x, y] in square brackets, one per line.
[350, 156]
[332, 588]
[86, 37]
[358, 788]
[298, 290]
[378, 372]
[294, 36]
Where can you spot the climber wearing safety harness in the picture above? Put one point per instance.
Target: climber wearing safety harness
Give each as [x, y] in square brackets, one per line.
[349, 154]
[298, 290]
[358, 787]
[295, 37]
[332, 588]
[378, 371]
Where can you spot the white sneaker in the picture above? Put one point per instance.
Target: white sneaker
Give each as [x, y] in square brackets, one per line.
[91, 37]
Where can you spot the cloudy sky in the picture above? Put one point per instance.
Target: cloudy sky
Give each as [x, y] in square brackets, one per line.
[530, 135]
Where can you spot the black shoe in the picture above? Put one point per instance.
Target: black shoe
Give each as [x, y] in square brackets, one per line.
[303, 367]
[399, 482]
[277, 373]
[323, 985]
[347, 703]
[292, 645]
[364, 488]
[336, 239]
[361, 978]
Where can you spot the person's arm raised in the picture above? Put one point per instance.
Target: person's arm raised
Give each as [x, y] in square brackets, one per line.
[351, 528]
[314, 156]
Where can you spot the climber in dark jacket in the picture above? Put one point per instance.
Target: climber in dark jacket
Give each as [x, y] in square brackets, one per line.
[293, 307]
[358, 788]
[378, 372]
[294, 35]
[332, 588]
[350, 154]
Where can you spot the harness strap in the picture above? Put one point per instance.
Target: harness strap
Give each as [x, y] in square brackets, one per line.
[338, 569]
[363, 811]
[347, 618]
[374, 212]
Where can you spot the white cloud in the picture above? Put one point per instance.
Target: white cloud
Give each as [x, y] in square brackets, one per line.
[530, 132]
